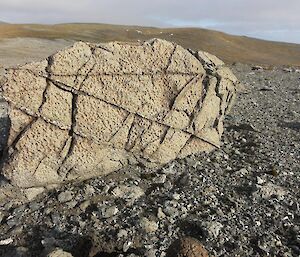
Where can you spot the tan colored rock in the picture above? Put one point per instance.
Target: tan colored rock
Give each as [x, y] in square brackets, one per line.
[94, 108]
[57, 107]
[59, 253]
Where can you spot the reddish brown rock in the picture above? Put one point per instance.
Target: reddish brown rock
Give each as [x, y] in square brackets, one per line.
[187, 247]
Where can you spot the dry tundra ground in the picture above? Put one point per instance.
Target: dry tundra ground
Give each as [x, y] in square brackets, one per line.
[241, 200]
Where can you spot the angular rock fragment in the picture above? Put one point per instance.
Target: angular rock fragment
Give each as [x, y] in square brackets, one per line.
[94, 108]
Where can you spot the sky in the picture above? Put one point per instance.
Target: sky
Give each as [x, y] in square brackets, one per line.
[276, 20]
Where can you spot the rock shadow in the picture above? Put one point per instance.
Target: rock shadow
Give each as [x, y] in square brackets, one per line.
[42, 240]
[4, 133]
[294, 125]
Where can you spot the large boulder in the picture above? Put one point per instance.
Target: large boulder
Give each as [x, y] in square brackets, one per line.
[92, 109]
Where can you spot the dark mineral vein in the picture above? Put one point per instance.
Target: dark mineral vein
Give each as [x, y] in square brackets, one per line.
[121, 126]
[44, 99]
[185, 85]
[205, 85]
[163, 136]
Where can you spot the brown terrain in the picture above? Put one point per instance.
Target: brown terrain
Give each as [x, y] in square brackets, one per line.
[18, 39]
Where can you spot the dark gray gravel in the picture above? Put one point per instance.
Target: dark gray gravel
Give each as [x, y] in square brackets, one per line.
[241, 200]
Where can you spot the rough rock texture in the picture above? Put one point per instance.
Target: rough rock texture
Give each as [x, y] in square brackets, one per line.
[187, 247]
[92, 109]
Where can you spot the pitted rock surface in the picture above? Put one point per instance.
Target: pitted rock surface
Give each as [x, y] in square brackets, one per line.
[187, 247]
[94, 108]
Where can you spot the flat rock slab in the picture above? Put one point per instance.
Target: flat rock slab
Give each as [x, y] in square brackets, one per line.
[92, 109]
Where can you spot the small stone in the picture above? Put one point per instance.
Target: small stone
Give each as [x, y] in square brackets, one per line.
[148, 225]
[126, 246]
[49, 242]
[237, 152]
[168, 185]
[22, 252]
[260, 68]
[169, 169]
[82, 224]
[278, 243]
[259, 180]
[176, 196]
[287, 69]
[19, 211]
[184, 212]
[105, 189]
[55, 218]
[212, 228]
[31, 193]
[171, 211]
[160, 214]
[71, 204]
[268, 190]
[108, 212]
[6, 241]
[128, 192]
[258, 223]
[151, 253]
[274, 172]
[187, 247]
[11, 222]
[185, 180]
[160, 179]
[163, 254]
[35, 206]
[1, 216]
[228, 168]
[242, 172]
[84, 205]
[89, 190]
[122, 233]
[59, 253]
[65, 196]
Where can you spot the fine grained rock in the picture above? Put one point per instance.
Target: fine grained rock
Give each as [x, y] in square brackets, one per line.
[92, 109]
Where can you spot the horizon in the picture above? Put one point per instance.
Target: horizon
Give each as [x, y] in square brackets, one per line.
[264, 19]
[158, 27]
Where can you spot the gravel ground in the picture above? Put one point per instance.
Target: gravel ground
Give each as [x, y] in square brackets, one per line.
[240, 200]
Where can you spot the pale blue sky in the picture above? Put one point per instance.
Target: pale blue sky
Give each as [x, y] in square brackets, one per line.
[268, 19]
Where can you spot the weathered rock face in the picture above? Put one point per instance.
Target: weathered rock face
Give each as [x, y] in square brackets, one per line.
[91, 109]
[187, 247]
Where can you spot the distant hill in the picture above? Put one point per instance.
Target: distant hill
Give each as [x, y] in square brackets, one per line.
[228, 47]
